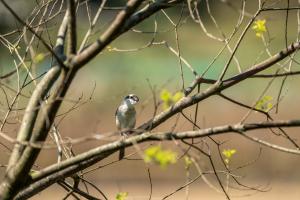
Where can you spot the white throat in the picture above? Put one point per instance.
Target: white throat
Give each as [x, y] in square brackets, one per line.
[127, 103]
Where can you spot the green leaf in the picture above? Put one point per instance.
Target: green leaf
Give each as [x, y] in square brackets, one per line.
[157, 155]
[39, 58]
[122, 196]
[264, 103]
[165, 95]
[259, 27]
[168, 99]
[150, 153]
[228, 153]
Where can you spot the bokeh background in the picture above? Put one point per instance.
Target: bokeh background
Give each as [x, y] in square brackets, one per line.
[104, 81]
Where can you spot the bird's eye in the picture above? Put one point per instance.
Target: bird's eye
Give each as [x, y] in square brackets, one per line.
[132, 97]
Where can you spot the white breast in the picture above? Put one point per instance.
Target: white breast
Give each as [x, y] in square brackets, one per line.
[125, 117]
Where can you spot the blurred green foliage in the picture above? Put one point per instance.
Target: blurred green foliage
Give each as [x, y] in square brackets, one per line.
[264, 103]
[169, 99]
[228, 153]
[122, 196]
[155, 154]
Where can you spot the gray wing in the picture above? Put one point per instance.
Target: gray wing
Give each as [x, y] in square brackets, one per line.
[117, 120]
[131, 123]
[116, 111]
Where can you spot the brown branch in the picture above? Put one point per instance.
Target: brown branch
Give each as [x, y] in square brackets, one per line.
[109, 35]
[72, 36]
[218, 87]
[21, 160]
[31, 112]
[51, 174]
[244, 105]
[122, 23]
[11, 183]
[276, 75]
[125, 20]
[48, 47]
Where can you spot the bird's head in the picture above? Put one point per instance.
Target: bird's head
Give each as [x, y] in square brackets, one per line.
[132, 99]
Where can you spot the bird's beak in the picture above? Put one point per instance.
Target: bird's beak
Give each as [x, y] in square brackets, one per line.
[136, 99]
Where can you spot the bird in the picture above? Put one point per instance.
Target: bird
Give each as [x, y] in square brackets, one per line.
[126, 117]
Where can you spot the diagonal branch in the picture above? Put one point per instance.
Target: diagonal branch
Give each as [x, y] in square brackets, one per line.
[53, 173]
[217, 87]
[18, 167]
[48, 47]
[31, 113]
[122, 23]
[11, 183]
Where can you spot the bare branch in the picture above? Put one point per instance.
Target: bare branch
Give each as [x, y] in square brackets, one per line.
[55, 172]
[72, 43]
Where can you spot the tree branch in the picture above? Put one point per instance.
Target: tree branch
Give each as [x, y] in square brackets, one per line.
[217, 87]
[31, 113]
[51, 174]
[72, 36]
[48, 47]
[122, 23]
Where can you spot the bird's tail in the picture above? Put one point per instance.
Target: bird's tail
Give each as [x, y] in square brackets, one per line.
[122, 153]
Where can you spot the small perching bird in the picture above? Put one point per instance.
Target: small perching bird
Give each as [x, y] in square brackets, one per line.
[125, 117]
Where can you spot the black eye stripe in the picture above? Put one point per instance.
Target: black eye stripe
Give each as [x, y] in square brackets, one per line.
[133, 97]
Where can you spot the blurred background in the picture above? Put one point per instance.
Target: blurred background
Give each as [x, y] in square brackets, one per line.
[120, 69]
